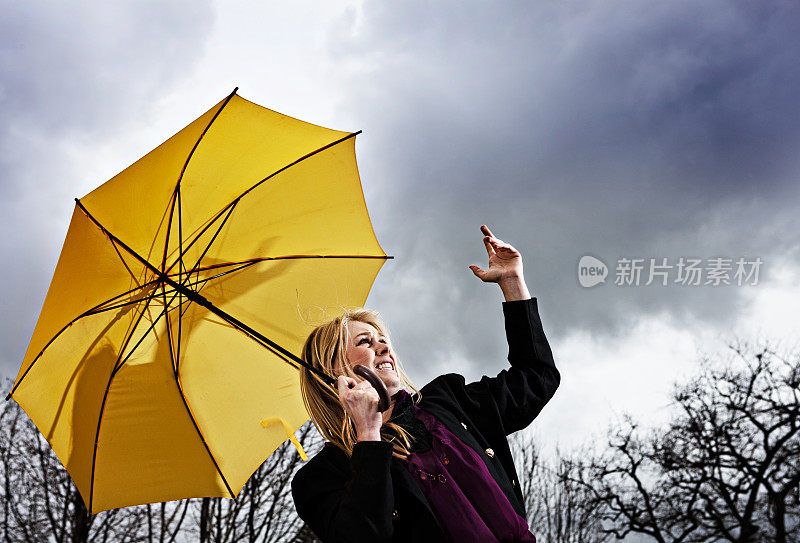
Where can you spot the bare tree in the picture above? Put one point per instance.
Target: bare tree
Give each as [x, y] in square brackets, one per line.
[40, 502]
[305, 535]
[559, 509]
[264, 510]
[726, 468]
[163, 522]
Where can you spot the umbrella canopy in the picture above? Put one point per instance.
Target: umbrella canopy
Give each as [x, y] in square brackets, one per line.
[183, 287]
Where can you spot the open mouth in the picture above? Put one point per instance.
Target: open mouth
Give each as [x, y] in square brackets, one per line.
[385, 366]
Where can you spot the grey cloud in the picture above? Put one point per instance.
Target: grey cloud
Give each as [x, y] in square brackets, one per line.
[606, 128]
[82, 66]
[70, 76]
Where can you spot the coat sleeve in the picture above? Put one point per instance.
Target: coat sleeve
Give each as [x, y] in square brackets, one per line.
[348, 506]
[518, 394]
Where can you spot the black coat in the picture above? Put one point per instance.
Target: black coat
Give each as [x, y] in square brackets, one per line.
[371, 497]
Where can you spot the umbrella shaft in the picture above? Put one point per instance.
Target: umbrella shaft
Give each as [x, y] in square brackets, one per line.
[197, 298]
[200, 300]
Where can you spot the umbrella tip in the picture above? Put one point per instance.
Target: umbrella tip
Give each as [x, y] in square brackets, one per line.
[8, 396]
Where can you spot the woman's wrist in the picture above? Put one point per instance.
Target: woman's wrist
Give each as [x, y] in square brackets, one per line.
[514, 288]
[369, 435]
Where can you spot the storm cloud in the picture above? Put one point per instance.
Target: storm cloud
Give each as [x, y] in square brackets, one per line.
[614, 129]
[605, 128]
[71, 76]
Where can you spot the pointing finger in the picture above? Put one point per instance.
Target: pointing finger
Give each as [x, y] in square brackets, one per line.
[488, 244]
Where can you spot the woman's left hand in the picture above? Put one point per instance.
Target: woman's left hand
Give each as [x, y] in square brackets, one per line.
[505, 267]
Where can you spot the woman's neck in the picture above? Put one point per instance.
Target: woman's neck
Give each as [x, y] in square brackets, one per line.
[392, 402]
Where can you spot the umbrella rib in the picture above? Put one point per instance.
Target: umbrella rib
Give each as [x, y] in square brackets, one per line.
[302, 158]
[181, 268]
[154, 322]
[120, 363]
[99, 308]
[245, 263]
[121, 243]
[118, 306]
[105, 397]
[169, 324]
[176, 192]
[230, 207]
[251, 261]
[186, 404]
[102, 308]
[202, 282]
[93, 311]
[200, 259]
[270, 176]
[169, 225]
[125, 264]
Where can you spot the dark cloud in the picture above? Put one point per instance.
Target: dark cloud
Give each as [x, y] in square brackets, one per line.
[605, 128]
[71, 75]
[82, 67]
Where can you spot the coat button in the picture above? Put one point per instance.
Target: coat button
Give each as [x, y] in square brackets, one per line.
[464, 425]
[395, 514]
[490, 453]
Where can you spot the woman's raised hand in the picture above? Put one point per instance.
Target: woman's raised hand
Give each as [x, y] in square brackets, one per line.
[505, 267]
[360, 402]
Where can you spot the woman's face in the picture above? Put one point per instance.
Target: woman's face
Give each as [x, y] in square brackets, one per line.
[368, 347]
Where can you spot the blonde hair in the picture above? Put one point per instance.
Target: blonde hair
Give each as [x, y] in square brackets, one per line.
[325, 350]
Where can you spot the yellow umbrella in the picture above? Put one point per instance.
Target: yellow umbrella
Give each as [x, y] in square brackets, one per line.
[184, 286]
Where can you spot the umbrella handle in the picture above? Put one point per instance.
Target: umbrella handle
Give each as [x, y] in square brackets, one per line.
[372, 378]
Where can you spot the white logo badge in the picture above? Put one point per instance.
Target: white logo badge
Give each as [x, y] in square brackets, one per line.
[591, 271]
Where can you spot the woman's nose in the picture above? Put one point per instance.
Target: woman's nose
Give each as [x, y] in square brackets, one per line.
[382, 348]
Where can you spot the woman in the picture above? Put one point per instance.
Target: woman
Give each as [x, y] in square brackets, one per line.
[435, 466]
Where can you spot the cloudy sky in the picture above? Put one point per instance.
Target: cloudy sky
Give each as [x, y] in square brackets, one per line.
[614, 129]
